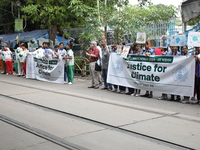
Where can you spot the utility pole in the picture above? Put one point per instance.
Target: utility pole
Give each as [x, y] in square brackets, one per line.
[18, 5]
[98, 11]
[105, 28]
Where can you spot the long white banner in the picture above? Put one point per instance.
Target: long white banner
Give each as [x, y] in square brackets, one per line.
[45, 70]
[164, 74]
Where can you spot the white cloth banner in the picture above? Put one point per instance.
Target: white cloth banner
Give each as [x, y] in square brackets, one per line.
[30, 67]
[164, 74]
[45, 70]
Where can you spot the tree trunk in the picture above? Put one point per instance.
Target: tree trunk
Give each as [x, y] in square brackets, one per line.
[53, 33]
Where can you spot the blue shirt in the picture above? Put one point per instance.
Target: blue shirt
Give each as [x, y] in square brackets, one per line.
[151, 51]
[173, 53]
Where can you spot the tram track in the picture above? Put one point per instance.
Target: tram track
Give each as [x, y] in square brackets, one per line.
[174, 115]
[56, 140]
[99, 123]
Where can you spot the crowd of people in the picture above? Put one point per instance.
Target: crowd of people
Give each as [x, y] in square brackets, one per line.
[19, 56]
[100, 55]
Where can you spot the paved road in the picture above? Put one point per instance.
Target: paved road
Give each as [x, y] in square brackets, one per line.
[41, 115]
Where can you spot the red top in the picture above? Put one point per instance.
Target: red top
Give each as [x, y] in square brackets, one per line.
[158, 51]
[94, 51]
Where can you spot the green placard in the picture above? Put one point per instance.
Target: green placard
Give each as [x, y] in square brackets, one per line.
[18, 25]
[158, 59]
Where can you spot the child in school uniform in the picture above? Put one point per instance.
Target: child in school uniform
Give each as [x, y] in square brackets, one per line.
[8, 60]
[3, 60]
[23, 54]
[70, 64]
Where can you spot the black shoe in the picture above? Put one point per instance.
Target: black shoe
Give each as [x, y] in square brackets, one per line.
[171, 99]
[128, 93]
[145, 95]
[150, 96]
[91, 86]
[122, 92]
[178, 98]
[96, 87]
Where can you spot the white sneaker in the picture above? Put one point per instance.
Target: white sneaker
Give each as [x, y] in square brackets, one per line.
[70, 83]
[194, 101]
[137, 95]
[163, 98]
[133, 94]
[65, 82]
[7, 74]
[185, 101]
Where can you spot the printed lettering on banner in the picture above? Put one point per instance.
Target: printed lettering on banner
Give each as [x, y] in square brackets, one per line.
[164, 74]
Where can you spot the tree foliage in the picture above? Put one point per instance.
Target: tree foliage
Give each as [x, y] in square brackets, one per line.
[7, 18]
[64, 14]
[144, 3]
[194, 21]
[132, 18]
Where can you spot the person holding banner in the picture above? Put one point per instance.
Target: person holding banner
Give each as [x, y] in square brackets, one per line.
[56, 54]
[70, 64]
[196, 53]
[17, 52]
[93, 54]
[147, 52]
[114, 50]
[197, 76]
[130, 90]
[62, 53]
[184, 52]
[136, 51]
[39, 53]
[105, 62]
[174, 52]
[48, 53]
[122, 89]
[22, 58]
[118, 49]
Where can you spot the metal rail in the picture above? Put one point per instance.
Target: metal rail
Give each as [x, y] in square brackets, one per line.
[116, 128]
[41, 134]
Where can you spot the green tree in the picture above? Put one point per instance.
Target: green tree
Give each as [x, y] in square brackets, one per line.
[96, 20]
[194, 21]
[144, 3]
[7, 18]
[54, 14]
[133, 18]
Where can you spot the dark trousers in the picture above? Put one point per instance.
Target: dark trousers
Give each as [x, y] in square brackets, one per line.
[131, 90]
[122, 88]
[198, 92]
[104, 75]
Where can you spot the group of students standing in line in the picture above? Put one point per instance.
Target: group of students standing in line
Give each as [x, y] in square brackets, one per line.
[96, 53]
[60, 52]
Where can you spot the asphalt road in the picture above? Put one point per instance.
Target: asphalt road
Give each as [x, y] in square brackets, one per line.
[42, 115]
